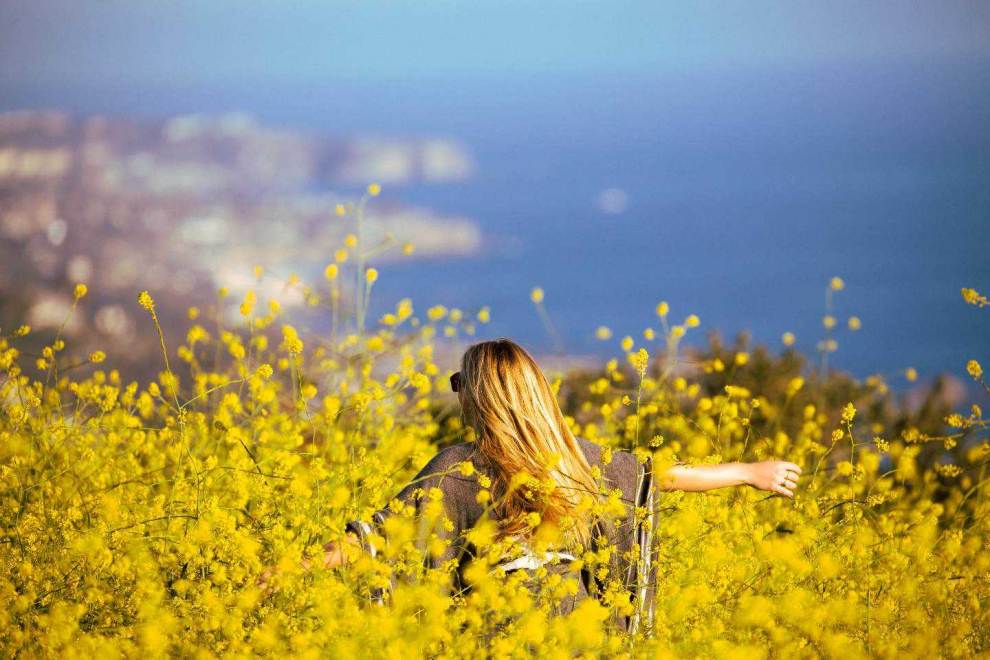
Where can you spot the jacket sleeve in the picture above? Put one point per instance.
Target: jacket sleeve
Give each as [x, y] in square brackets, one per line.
[458, 491]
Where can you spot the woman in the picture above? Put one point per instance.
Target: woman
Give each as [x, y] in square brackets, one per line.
[533, 464]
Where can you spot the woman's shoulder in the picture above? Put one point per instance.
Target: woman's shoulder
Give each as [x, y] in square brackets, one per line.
[622, 468]
[451, 456]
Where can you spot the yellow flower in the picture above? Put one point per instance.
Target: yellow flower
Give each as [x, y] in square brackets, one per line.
[742, 358]
[22, 331]
[340, 256]
[828, 321]
[662, 308]
[794, 386]
[677, 331]
[250, 298]
[603, 333]
[350, 241]
[80, 291]
[788, 338]
[340, 209]
[692, 321]
[911, 374]
[192, 313]
[331, 271]
[371, 275]
[484, 315]
[855, 323]
[265, 371]
[97, 356]
[408, 248]
[466, 468]
[536, 295]
[973, 297]
[640, 360]
[290, 340]
[848, 412]
[627, 343]
[145, 300]
[837, 284]
[974, 369]
[649, 334]
[374, 189]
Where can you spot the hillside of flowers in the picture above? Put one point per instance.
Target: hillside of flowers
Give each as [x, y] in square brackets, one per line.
[186, 515]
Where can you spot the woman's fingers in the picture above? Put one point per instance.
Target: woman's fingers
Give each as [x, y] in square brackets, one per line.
[783, 491]
[792, 466]
[790, 484]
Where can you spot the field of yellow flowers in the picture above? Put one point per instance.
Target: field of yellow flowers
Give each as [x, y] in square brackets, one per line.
[137, 517]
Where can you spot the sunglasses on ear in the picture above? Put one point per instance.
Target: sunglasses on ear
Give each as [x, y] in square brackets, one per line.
[455, 381]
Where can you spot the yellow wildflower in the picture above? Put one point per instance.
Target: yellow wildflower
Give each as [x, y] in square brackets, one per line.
[145, 300]
[974, 369]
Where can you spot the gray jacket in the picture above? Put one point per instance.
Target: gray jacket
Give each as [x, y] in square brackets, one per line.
[623, 472]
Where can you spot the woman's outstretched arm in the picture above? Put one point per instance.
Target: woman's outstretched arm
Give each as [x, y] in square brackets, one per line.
[776, 476]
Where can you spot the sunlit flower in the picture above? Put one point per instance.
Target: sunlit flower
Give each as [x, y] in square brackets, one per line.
[536, 295]
[80, 291]
[837, 284]
[374, 189]
[973, 297]
[371, 275]
[145, 300]
[855, 323]
[974, 369]
[603, 333]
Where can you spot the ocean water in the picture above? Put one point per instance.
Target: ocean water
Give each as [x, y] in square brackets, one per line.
[744, 192]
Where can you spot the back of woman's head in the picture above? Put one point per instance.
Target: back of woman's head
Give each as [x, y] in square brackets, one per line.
[539, 466]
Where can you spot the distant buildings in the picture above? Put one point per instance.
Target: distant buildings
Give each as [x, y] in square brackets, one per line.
[184, 206]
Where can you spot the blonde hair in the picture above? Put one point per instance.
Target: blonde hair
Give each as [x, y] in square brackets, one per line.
[520, 429]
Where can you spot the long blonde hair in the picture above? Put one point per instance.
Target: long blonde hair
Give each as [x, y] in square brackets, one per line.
[520, 429]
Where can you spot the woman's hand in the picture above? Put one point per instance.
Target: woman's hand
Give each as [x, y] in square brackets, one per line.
[776, 476]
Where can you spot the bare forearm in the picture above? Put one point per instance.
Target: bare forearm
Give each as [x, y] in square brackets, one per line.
[773, 475]
[704, 477]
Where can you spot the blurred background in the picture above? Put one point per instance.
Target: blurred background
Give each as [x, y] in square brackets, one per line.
[729, 158]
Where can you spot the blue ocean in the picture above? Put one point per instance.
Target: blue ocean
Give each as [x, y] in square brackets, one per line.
[740, 197]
